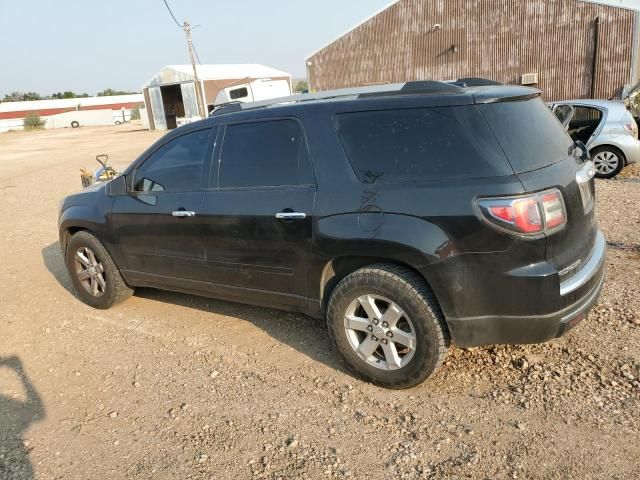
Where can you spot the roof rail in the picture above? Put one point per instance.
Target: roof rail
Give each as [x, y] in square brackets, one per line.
[409, 88]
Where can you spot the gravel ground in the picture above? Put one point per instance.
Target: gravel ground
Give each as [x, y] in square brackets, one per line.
[174, 386]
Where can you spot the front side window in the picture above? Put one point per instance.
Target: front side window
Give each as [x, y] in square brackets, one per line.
[264, 154]
[177, 166]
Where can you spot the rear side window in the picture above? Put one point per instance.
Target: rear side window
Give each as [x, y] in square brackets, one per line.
[177, 166]
[264, 154]
[529, 133]
[391, 146]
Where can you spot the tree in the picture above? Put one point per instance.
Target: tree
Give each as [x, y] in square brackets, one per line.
[21, 97]
[301, 86]
[33, 121]
[108, 92]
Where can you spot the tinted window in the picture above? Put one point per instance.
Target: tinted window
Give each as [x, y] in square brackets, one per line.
[263, 154]
[176, 166]
[420, 144]
[529, 133]
[238, 93]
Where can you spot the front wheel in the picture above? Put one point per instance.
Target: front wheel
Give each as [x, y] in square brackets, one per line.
[387, 326]
[93, 272]
[608, 161]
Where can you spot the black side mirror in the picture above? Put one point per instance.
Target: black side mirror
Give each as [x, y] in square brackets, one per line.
[118, 186]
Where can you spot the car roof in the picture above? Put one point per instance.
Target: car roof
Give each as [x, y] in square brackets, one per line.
[609, 104]
[399, 95]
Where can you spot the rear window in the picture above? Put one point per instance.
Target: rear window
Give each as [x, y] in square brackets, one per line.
[420, 144]
[528, 132]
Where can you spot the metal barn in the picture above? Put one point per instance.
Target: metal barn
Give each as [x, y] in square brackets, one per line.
[171, 93]
[567, 48]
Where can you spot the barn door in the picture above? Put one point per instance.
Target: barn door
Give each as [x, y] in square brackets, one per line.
[157, 108]
[189, 100]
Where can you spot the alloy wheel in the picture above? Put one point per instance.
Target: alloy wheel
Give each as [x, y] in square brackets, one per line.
[380, 332]
[606, 162]
[90, 271]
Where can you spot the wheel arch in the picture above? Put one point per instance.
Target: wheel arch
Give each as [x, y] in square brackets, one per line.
[339, 267]
[610, 146]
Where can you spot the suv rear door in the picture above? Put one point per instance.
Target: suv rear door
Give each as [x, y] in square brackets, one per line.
[257, 213]
[542, 155]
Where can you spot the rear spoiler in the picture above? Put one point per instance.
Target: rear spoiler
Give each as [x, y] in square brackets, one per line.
[505, 93]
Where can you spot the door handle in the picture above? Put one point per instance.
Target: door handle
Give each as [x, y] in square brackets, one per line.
[291, 216]
[183, 214]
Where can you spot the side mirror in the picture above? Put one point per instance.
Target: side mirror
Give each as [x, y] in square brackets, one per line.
[118, 186]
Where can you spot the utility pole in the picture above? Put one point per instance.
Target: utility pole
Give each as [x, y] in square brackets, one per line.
[187, 30]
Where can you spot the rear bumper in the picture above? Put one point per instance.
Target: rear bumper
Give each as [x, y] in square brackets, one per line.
[512, 330]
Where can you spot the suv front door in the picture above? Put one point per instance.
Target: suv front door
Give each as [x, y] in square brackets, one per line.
[257, 215]
[157, 225]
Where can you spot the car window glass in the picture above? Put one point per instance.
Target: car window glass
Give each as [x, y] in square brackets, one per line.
[176, 166]
[238, 93]
[584, 123]
[420, 144]
[528, 132]
[563, 113]
[264, 154]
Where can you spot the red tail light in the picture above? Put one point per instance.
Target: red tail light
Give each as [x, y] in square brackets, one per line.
[526, 215]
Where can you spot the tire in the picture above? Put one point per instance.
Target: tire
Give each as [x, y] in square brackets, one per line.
[75, 124]
[95, 292]
[118, 122]
[603, 158]
[401, 292]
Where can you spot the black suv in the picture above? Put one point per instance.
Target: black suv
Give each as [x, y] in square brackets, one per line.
[408, 215]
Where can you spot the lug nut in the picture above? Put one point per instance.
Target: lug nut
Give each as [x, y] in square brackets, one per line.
[370, 328]
[385, 324]
[376, 321]
[385, 341]
[390, 334]
[374, 338]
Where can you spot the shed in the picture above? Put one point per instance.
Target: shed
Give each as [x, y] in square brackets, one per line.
[171, 93]
[567, 48]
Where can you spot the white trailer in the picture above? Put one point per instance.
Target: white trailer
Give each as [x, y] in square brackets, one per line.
[80, 118]
[261, 89]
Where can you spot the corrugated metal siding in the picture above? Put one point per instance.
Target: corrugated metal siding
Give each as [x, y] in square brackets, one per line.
[498, 39]
[189, 100]
[157, 108]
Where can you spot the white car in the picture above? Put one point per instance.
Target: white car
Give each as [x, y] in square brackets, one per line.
[606, 127]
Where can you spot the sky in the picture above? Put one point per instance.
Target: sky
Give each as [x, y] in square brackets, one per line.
[90, 45]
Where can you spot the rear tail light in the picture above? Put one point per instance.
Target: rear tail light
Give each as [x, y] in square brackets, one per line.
[632, 127]
[526, 215]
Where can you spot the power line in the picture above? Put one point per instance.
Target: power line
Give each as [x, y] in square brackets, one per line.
[193, 45]
[172, 15]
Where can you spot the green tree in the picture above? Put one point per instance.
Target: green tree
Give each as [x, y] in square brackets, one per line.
[109, 92]
[135, 113]
[301, 86]
[33, 121]
[21, 97]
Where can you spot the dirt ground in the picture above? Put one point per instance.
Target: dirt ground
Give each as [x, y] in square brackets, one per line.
[171, 386]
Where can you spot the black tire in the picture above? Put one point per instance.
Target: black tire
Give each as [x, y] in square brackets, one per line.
[622, 161]
[75, 124]
[115, 291]
[409, 291]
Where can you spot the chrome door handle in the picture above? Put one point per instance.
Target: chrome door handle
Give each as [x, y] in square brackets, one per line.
[183, 213]
[291, 216]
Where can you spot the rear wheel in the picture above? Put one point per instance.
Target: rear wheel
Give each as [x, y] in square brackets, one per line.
[93, 272]
[387, 326]
[608, 161]
[75, 124]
